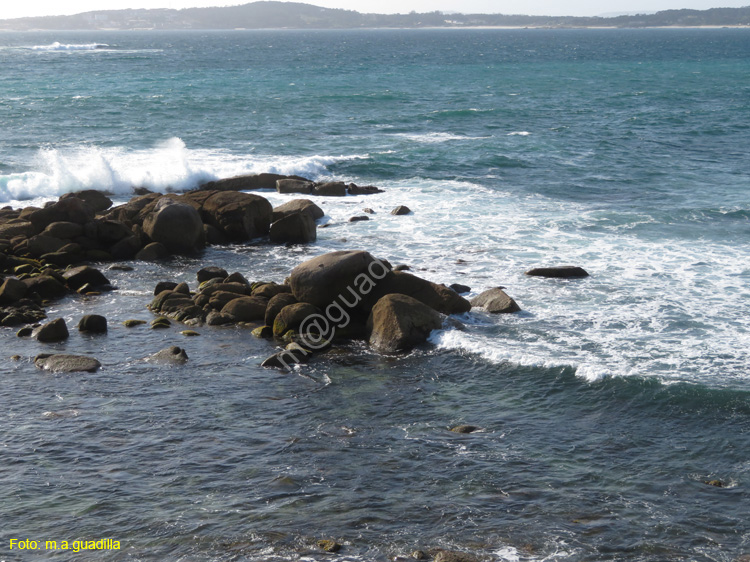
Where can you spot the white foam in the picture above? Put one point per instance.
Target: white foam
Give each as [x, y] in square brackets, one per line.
[169, 166]
[519, 134]
[436, 137]
[57, 46]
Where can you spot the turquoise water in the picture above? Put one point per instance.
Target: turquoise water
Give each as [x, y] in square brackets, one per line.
[604, 405]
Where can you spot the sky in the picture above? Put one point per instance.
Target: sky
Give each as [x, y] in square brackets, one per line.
[11, 9]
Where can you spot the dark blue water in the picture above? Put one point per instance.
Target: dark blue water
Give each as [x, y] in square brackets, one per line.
[605, 405]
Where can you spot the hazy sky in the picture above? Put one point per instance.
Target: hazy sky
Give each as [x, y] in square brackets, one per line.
[13, 9]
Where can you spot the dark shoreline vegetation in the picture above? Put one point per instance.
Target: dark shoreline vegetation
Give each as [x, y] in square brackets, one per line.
[47, 254]
[294, 15]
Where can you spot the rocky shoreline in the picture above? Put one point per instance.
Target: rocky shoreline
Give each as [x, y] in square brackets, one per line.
[47, 253]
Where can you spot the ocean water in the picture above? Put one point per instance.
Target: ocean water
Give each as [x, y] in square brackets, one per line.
[604, 406]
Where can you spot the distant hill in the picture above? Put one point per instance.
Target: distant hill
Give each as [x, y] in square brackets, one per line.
[293, 15]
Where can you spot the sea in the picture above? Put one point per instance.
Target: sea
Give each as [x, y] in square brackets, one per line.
[604, 408]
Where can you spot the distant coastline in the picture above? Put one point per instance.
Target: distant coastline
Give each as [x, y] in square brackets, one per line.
[293, 15]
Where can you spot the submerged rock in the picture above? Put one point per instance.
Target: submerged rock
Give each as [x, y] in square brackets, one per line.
[560, 272]
[173, 354]
[401, 210]
[464, 429]
[329, 545]
[62, 363]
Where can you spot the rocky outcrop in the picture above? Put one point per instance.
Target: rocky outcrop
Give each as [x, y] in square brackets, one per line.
[399, 322]
[238, 216]
[295, 228]
[178, 226]
[297, 206]
[495, 301]
[558, 272]
[294, 186]
[351, 274]
[247, 182]
[437, 297]
[330, 189]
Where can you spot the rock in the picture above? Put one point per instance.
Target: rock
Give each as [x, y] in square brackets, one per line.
[402, 267]
[189, 333]
[560, 272]
[160, 323]
[464, 429]
[237, 277]
[110, 232]
[438, 297]
[295, 228]
[12, 290]
[174, 355]
[460, 289]
[399, 322]
[176, 225]
[293, 355]
[153, 252]
[70, 209]
[716, 483]
[292, 316]
[211, 272]
[363, 189]
[247, 182]
[401, 210]
[269, 290]
[162, 286]
[93, 323]
[329, 546]
[120, 267]
[62, 363]
[495, 301]
[25, 332]
[359, 218]
[239, 216]
[294, 186]
[66, 230]
[214, 236]
[216, 286]
[275, 304]
[42, 244]
[133, 323]
[454, 556]
[15, 228]
[51, 332]
[368, 211]
[245, 309]
[183, 288]
[263, 332]
[220, 299]
[330, 189]
[215, 318]
[297, 206]
[126, 248]
[79, 276]
[46, 287]
[97, 200]
[323, 279]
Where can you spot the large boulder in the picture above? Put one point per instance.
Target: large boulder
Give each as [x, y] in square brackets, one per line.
[16, 227]
[93, 324]
[77, 277]
[46, 286]
[438, 297]
[176, 225]
[330, 189]
[62, 229]
[495, 301]
[296, 228]
[295, 206]
[70, 209]
[294, 186]
[51, 332]
[275, 304]
[12, 290]
[238, 216]
[558, 272]
[349, 274]
[246, 309]
[43, 244]
[62, 363]
[97, 200]
[399, 322]
[293, 316]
